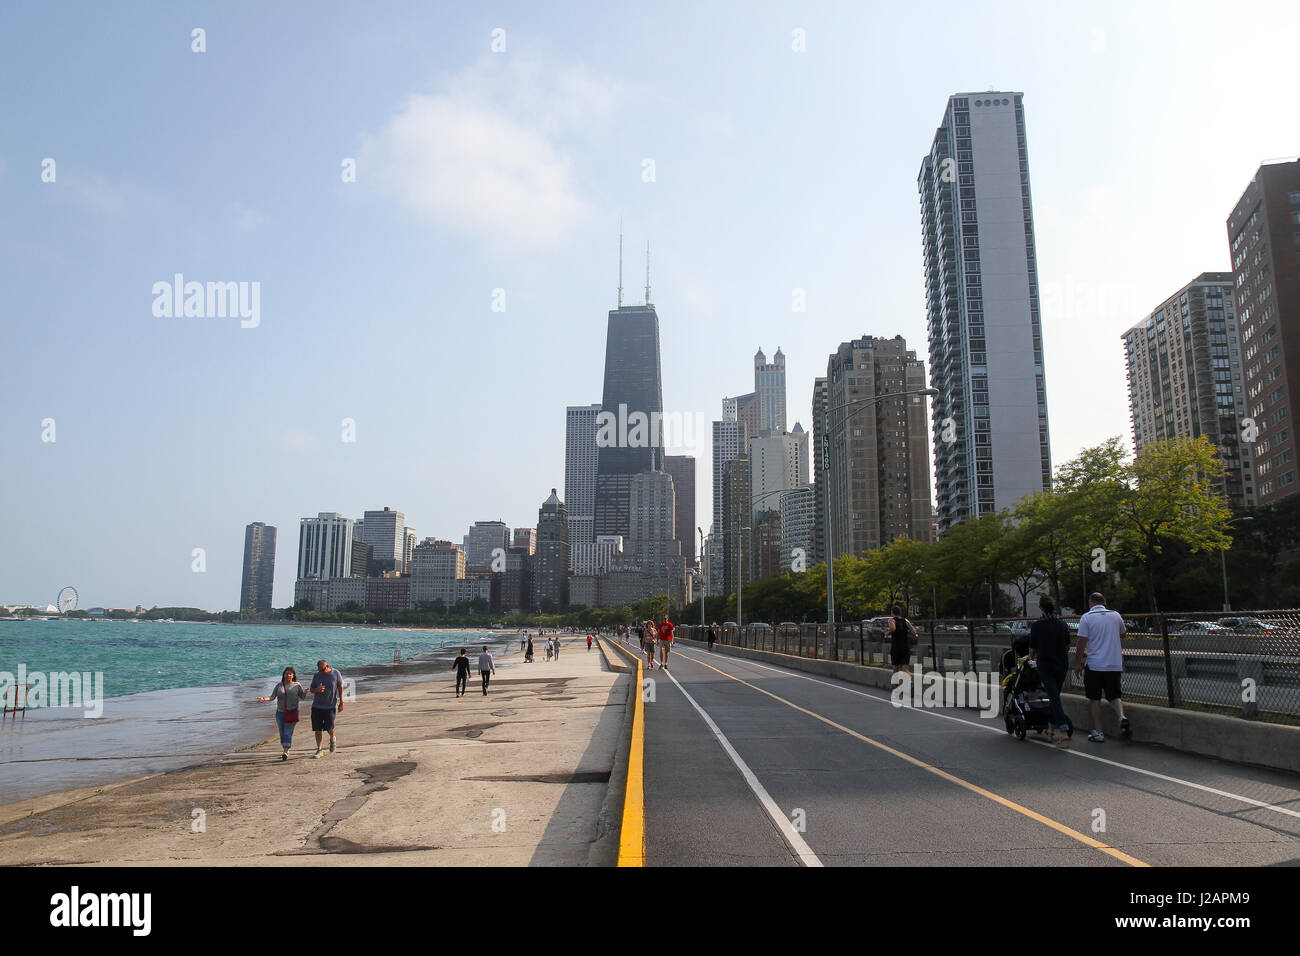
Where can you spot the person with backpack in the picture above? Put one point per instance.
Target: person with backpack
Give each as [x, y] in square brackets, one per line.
[901, 634]
[1049, 649]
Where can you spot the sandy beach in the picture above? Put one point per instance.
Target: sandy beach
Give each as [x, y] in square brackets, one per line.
[421, 777]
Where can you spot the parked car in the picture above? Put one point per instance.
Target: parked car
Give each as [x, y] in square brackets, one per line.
[1253, 625]
[1200, 627]
[876, 629]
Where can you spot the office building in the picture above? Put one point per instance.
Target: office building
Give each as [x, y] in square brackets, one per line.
[682, 469]
[385, 532]
[526, 538]
[483, 540]
[796, 507]
[551, 562]
[259, 568]
[769, 386]
[820, 449]
[981, 283]
[436, 567]
[1185, 377]
[735, 524]
[324, 547]
[1264, 240]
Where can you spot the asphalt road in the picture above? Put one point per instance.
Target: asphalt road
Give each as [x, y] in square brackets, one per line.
[771, 766]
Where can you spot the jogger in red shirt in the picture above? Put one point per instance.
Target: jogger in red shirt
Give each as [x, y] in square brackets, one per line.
[665, 640]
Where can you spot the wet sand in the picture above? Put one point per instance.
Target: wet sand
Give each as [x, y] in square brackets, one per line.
[421, 777]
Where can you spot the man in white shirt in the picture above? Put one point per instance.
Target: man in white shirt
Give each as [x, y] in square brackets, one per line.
[486, 668]
[1100, 632]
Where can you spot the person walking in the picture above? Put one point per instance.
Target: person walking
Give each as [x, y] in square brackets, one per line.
[523, 640]
[461, 665]
[1049, 649]
[557, 647]
[589, 642]
[901, 633]
[486, 668]
[713, 634]
[286, 695]
[648, 634]
[528, 654]
[1100, 633]
[549, 648]
[665, 641]
[326, 700]
[640, 635]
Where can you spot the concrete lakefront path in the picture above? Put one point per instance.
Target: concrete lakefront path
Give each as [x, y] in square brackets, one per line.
[421, 777]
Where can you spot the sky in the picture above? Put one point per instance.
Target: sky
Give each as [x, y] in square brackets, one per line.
[428, 197]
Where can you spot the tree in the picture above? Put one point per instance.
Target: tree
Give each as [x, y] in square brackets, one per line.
[1172, 492]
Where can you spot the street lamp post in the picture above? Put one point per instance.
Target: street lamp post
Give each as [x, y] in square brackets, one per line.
[826, 467]
[704, 584]
[1223, 561]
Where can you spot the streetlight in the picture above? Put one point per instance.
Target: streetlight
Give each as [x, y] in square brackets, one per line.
[826, 467]
[1223, 561]
[704, 584]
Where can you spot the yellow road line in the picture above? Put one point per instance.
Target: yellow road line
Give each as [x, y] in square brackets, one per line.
[631, 844]
[1009, 804]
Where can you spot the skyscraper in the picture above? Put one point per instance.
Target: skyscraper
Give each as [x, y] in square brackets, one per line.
[820, 415]
[878, 484]
[581, 462]
[769, 386]
[325, 547]
[483, 540]
[1264, 238]
[385, 531]
[259, 568]
[551, 562]
[796, 506]
[682, 468]
[778, 461]
[436, 566]
[735, 524]
[729, 441]
[981, 284]
[629, 435]
[1185, 379]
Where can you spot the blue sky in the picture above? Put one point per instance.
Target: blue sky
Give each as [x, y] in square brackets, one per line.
[481, 170]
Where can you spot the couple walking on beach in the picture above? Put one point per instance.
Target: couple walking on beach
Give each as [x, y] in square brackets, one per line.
[326, 691]
[486, 668]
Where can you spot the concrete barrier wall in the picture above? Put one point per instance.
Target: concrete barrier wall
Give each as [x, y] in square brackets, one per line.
[1275, 746]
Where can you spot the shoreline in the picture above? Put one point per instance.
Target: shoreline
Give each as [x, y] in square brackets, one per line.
[51, 751]
[421, 777]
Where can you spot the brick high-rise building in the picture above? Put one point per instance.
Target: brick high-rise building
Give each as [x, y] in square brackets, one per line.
[1264, 240]
[1185, 377]
[879, 480]
[550, 564]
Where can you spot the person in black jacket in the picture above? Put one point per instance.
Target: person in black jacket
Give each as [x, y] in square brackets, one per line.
[461, 664]
[1049, 648]
[900, 633]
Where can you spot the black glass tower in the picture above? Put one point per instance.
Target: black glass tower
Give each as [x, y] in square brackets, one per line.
[631, 440]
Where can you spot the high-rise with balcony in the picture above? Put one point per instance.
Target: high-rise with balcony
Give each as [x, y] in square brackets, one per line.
[259, 568]
[1185, 377]
[989, 420]
[1264, 240]
[878, 483]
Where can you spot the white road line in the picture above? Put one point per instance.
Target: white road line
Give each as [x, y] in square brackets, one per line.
[997, 730]
[792, 837]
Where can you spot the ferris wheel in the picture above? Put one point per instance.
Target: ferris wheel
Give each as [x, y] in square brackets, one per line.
[67, 600]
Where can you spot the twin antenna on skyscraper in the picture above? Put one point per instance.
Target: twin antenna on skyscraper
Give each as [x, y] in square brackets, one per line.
[620, 267]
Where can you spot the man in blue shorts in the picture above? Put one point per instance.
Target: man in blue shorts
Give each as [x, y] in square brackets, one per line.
[1100, 631]
[326, 697]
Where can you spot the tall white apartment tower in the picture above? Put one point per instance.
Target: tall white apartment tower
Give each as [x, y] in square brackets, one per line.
[989, 420]
[324, 547]
[580, 460]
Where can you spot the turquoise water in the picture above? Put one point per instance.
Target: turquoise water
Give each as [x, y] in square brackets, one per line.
[136, 657]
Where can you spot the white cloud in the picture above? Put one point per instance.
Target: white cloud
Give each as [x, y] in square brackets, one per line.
[248, 220]
[487, 155]
[92, 191]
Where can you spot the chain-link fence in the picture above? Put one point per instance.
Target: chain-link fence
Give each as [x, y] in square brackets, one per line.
[1246, 663]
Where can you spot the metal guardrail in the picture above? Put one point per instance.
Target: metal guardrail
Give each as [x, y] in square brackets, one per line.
[1246, 663]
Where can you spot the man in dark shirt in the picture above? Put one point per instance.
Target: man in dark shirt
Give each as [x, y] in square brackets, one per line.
[462, 673]
[1049, 647]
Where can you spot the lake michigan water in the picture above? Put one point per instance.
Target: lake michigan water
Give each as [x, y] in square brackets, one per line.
[179, 694]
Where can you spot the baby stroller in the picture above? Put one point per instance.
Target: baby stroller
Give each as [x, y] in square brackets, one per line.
[1025, 705]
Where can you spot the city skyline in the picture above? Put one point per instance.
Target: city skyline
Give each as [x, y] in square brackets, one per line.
[251, 419]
